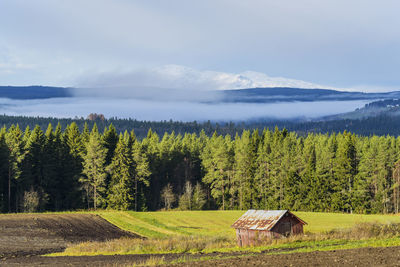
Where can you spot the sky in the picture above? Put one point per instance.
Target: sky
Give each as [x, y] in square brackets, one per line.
[204, 44]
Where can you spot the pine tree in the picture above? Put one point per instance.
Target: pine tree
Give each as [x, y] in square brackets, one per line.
[110, 138]
[325, 152]
[32, 178]
[51, 179]
[94, 167]
[121, 190]
[14, 141]
[262, 175]
[158, 177]
[4, 154]
[276, 201]
[68, 167]
[245, 155]
[310, 185]
[396, 187]
[141, 171]
[72, 164]
[345, 169]
[217, 164]
[85, 136]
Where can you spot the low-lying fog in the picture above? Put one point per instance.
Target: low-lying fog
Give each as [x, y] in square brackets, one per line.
[180, 111]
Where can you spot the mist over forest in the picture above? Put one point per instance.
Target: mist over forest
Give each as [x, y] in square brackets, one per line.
[157, 110]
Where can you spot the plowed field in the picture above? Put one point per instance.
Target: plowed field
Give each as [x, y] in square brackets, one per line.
[363, 257]
[27, 235]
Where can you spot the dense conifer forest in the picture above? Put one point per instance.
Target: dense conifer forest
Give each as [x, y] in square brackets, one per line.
[380, 125]
[58, 168]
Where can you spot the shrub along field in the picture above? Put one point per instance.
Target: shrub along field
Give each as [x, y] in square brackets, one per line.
[210, 231]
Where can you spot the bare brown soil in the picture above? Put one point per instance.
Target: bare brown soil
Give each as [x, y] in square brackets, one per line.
[28, 235]
[352, 257]
[389, 256]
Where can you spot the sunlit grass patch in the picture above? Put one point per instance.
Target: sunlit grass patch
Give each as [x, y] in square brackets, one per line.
[319, 222]
[210, 231]
[361, 235]
[182, 244]
[175, 223]
[210, 223]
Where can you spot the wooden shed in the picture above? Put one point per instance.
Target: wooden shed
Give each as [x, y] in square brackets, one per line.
[257, 225]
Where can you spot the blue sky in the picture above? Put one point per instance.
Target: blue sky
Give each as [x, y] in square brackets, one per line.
[218, 44]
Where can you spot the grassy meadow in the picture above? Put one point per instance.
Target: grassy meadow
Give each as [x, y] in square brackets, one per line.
[217, 223]
[210, 231]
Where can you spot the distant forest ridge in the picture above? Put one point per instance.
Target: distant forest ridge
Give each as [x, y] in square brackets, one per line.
[34, 92]
[250, 95]
[379, 125]
[281, 94]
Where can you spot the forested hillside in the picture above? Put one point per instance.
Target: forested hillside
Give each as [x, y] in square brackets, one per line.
[378, 125]
[71, 169]
[141, 127]
[34, 92]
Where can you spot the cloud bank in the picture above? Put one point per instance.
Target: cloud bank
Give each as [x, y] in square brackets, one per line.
[175, 82]
[182, 77]
[178, 111]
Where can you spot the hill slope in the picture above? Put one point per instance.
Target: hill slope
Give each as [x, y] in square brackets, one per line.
[33, 92]
[281, 94]
[250, 95]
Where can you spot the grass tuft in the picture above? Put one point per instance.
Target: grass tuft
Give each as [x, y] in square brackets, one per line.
[152, 261]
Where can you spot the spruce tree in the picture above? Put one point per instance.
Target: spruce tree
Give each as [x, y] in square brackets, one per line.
[15, 144]
[262, 175]
[141, 171]
[121, 169]
[94, 167]
[110, 138]
[217, 164]
[51, 179]
[4, 154]
[32, 178]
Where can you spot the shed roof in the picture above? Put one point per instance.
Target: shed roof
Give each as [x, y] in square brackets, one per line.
[261, 219]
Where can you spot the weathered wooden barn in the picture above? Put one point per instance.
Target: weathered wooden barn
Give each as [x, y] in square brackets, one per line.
[257, 225]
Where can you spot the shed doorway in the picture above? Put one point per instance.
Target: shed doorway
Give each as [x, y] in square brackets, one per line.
[286, 228]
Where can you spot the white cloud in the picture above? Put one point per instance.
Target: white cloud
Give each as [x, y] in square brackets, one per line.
[185, 78]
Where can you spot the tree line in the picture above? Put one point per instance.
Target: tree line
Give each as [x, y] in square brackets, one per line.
[379, 125]
[68, 169]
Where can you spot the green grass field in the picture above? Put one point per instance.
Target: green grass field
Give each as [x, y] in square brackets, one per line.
[210, 231]
[217, 223]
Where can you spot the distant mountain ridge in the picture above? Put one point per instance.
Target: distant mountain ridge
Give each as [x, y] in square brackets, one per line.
[386, 107]
[284, 94]
[34, 92]
[251, 95]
